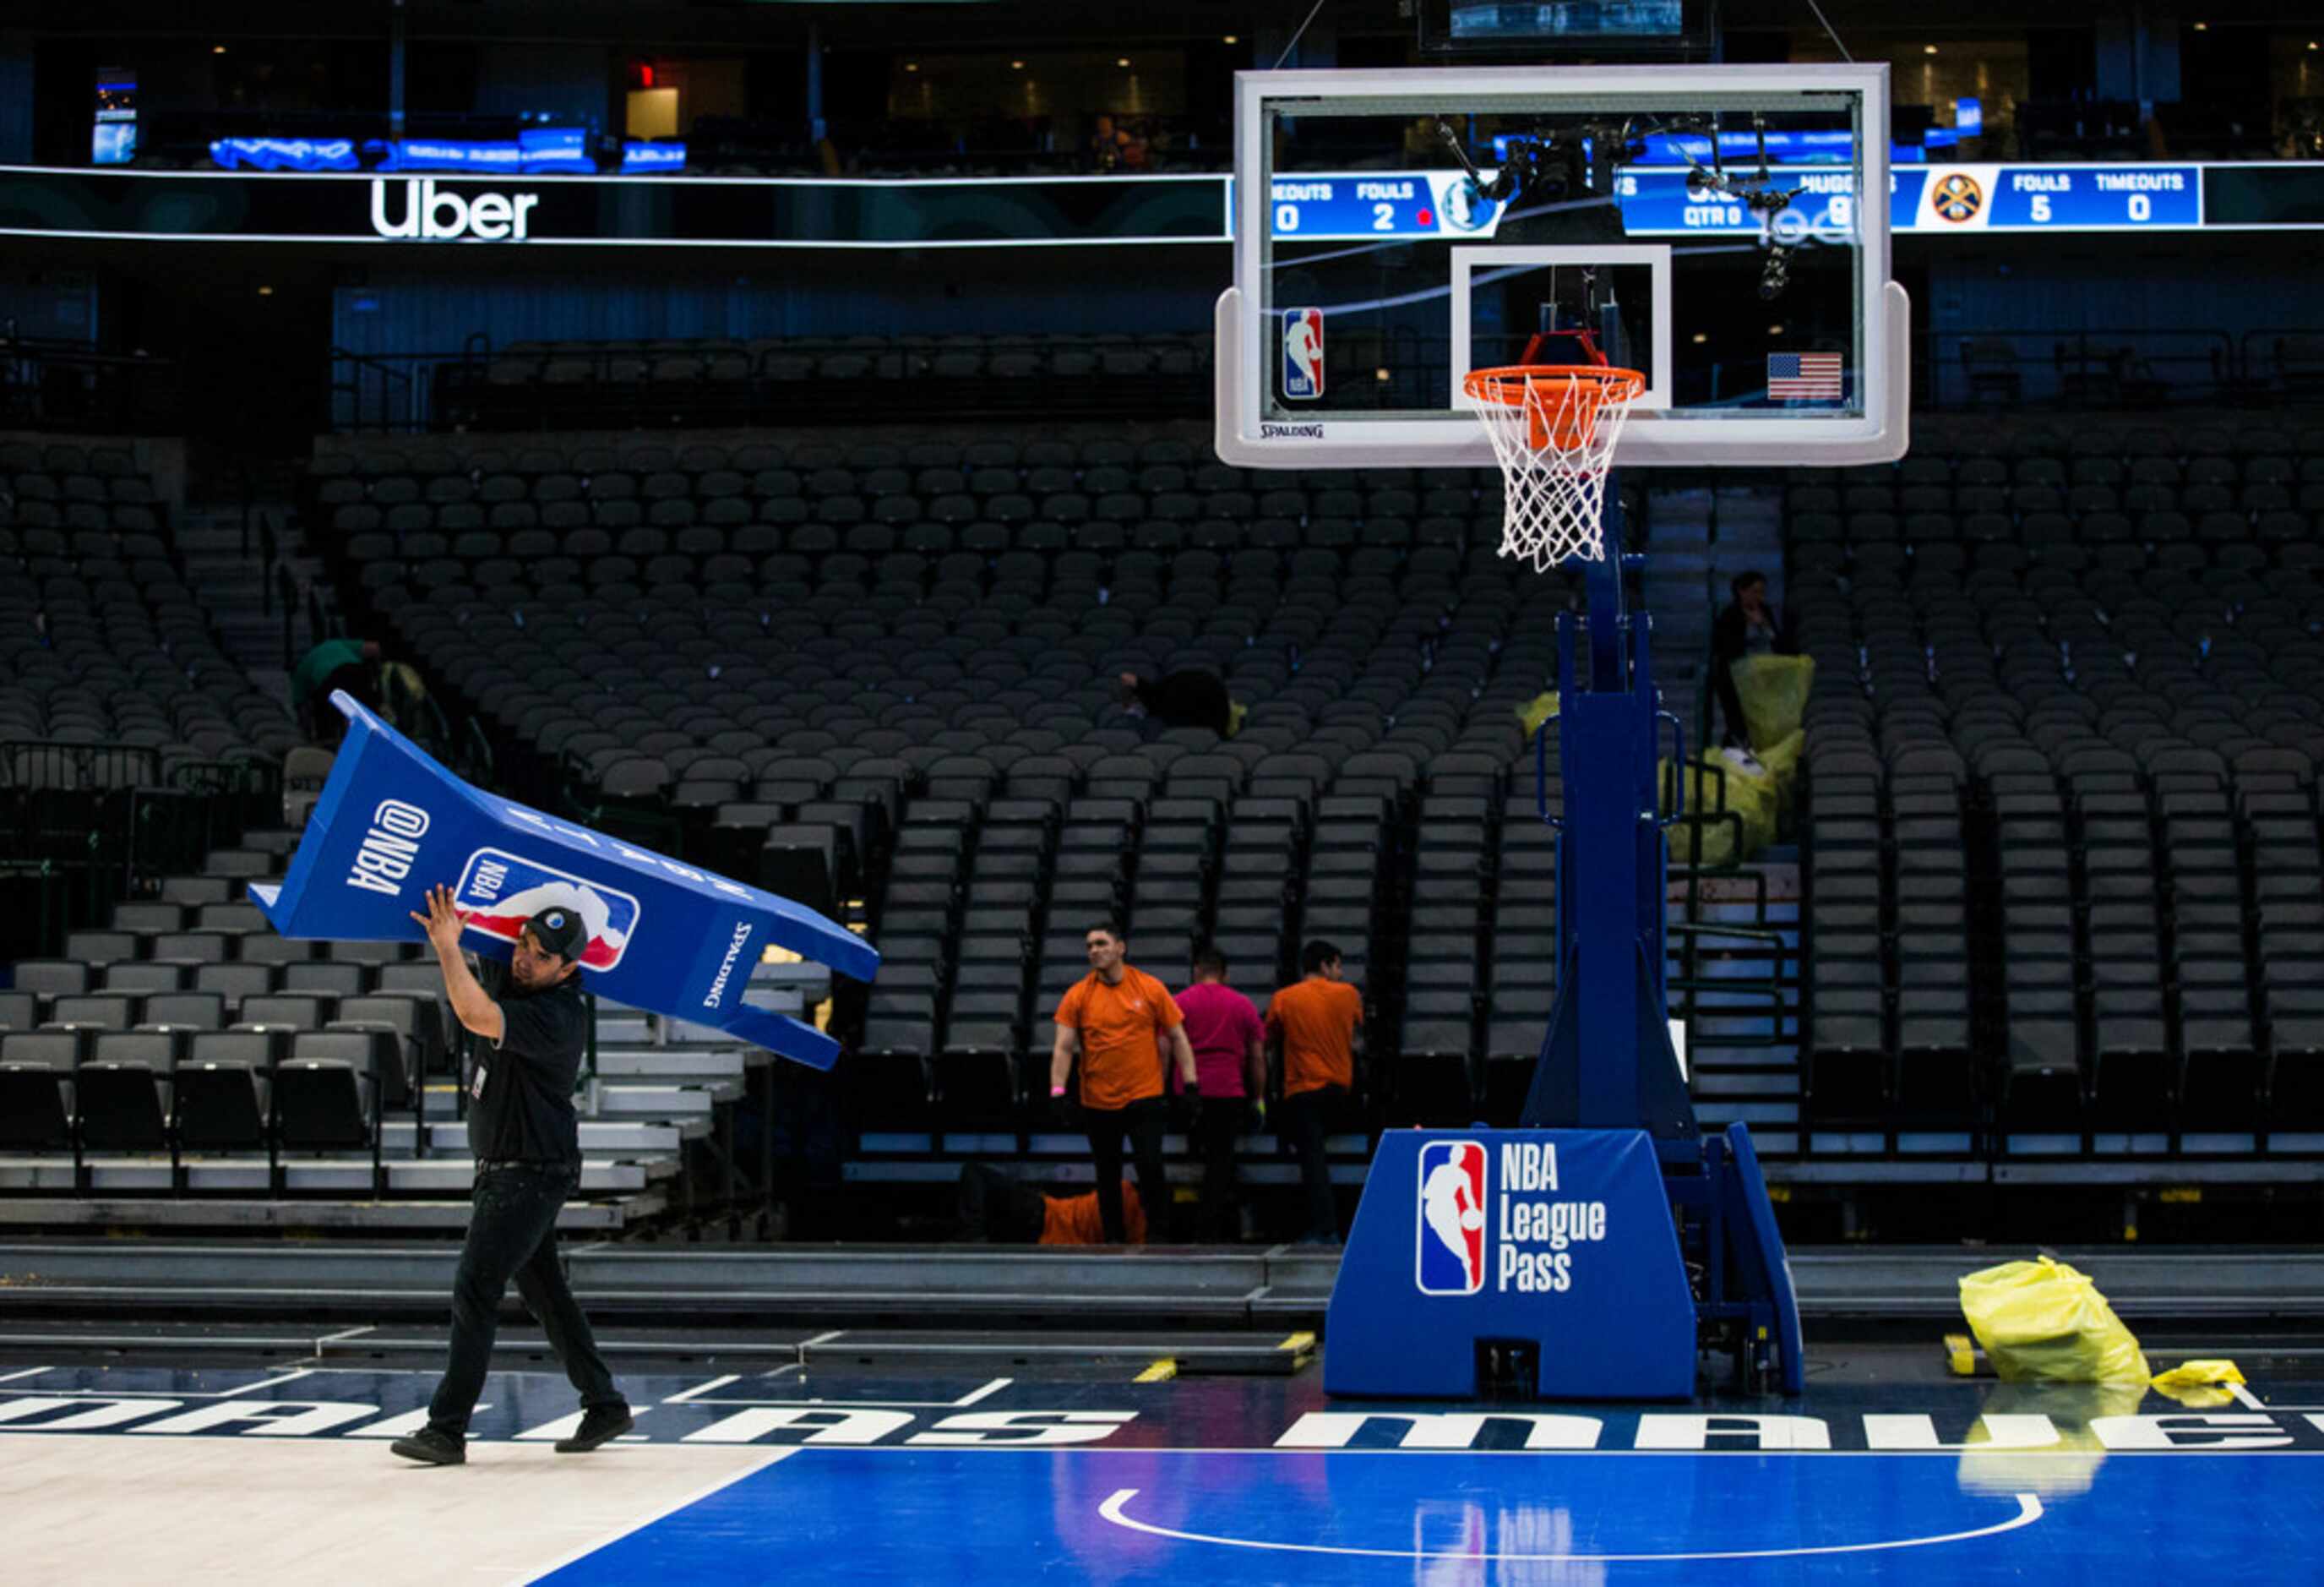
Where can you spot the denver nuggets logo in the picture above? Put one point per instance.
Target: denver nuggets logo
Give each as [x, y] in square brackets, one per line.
[1958, 198]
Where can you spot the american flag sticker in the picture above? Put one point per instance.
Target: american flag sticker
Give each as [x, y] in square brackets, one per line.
[1794, 377]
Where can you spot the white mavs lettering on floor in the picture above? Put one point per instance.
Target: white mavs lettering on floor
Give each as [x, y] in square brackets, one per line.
[1757, 1433]
[1533, 1230]
[348, 1403]
[389, 848]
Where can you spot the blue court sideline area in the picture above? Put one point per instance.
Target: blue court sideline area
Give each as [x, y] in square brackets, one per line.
[1218, 1517]
[1087, 1475]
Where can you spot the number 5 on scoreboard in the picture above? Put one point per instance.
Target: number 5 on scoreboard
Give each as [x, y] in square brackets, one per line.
[2040, 206]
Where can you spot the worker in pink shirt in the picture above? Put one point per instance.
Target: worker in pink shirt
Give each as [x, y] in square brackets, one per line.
[1231, 1068]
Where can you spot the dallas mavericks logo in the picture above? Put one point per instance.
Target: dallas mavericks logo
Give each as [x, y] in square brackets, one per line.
[1450, 1232]
[1303, 354]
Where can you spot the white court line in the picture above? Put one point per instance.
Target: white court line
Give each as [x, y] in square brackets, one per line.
[2245, 1398]
[608, 1540]
[842, 1403]
[23, 1372]
[290, 1377]
[970, 1398]
[685, 1394]
[824, 1338]
[2029, 1511]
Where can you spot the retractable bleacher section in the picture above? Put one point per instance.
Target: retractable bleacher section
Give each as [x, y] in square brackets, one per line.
[156, 1039]
[2063, 876]
[185, 1049]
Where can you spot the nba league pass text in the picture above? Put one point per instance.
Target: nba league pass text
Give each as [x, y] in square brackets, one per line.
[1527, 1220]
[1534, 1227]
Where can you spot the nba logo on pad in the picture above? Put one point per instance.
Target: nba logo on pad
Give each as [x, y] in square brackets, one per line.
[499, 892]
[1450, 1232]
[1303, 354]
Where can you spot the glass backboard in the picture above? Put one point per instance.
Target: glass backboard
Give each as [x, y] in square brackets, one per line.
[1701, 225]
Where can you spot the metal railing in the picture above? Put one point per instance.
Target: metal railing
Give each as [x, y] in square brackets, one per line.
[370, 392]
[70, 386]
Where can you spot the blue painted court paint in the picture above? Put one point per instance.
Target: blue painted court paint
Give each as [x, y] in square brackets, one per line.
[988, 1516]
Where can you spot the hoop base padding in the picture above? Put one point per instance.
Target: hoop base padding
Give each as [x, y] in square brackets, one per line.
[1553, 428]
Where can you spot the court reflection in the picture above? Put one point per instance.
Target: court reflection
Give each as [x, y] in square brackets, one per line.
[1466, 1544]
[2006, 1450]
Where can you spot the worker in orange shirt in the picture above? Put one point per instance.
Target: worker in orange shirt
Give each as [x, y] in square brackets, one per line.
[999, 1209]
[1313, 1023]
[1119, 1020]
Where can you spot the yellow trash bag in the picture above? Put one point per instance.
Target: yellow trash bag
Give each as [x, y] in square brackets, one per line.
[1713, 785]
[1774, 694]
[1537, 710]
[2199, 1385]
[2045, 1322]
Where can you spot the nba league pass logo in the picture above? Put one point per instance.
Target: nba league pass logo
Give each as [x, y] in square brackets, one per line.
[1451, 1233]
[1303, 354]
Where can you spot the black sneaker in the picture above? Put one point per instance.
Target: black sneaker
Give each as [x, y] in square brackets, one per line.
[600, 1424]
[432, 1447]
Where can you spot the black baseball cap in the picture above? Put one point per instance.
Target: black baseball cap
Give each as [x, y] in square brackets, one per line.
[559, 930]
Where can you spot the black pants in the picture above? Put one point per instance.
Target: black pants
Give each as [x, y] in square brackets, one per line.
[512, 1234]
[1304, 1119]
[1000, 1209]
[1142, 1121]
[1215, 1127]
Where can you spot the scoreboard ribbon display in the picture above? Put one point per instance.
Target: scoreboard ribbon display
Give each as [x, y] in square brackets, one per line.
[516, 209]
[1381, 204]
[1924, 199]
[2050, 197]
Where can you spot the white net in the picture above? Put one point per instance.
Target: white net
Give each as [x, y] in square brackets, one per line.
[1553, 431]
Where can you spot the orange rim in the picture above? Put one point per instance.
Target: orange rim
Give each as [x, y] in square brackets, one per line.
[1570, 424]
[1508, 384]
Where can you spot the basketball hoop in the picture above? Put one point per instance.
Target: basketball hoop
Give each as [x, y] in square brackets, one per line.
[1553, 429]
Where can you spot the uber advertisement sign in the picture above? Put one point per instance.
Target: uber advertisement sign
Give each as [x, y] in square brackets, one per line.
[661, 935]
[507, 210]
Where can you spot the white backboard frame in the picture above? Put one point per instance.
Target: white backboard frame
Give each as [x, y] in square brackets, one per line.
[1655, 256]
[1245, 435]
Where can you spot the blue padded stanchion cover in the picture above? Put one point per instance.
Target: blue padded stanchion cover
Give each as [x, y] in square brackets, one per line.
[663, 936]
[1561, 1237]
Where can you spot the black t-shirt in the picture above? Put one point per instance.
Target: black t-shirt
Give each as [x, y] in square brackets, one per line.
[520, 1096]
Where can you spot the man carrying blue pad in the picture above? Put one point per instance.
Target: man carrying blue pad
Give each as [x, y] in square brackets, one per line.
[527, 1142]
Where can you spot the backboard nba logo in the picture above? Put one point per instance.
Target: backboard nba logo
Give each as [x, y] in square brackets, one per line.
[1303, 354]
[1450, 1233]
